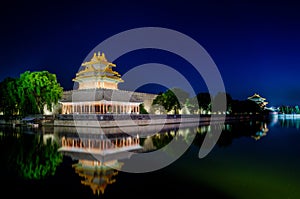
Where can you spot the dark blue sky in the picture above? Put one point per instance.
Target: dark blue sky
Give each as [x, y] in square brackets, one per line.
[255, 44]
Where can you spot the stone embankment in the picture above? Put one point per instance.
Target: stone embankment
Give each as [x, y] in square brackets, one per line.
[140, 120]
[118, 120]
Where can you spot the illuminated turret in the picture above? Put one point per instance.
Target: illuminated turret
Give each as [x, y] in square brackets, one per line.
[98, 73]
[258, 100]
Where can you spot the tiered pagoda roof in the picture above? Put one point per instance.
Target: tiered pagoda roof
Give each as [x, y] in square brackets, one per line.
[258, 99]
[96, 175]
[98, 73]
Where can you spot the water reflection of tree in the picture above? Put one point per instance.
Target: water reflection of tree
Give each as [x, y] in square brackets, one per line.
[290, 123]
[231, 131]
[162, 139]
[30, 157]
[36, 159]
[158, 140]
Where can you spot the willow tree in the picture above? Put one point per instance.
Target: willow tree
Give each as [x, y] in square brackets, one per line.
[37, 90]
[9, 98]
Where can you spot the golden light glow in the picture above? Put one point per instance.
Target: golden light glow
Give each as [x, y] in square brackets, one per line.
[98, 73]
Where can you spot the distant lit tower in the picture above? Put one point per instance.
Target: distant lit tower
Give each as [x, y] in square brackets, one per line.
[258, 100]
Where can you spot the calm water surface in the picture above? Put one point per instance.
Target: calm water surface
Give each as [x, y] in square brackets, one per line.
[252, 159]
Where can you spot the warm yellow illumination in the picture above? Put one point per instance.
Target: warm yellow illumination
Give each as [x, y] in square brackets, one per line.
[98, 73]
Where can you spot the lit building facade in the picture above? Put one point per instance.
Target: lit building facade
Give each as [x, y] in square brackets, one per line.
[258, 100]
[98, 91]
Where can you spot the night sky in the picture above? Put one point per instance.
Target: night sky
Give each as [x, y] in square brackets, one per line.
[256, 46]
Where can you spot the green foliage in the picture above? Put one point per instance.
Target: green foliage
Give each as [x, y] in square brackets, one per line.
[28, 156]
[161, 140]
[188, 106]
[296, 109]
[30, 93]
[218, 100]
[37, 160]
[9, 98]
[142, 109]
[160, 100]
[289, 109]
[201, 101]
[172, 99]
[245, 106]
[37, 89]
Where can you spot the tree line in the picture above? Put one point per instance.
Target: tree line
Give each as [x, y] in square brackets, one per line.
[178, 101]
[32, 92]
[289, 109]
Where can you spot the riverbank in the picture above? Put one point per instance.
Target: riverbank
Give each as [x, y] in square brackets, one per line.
[118, 120]
[140, 119]
[289, 116]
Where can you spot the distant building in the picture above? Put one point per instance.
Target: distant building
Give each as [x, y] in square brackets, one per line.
[98, 91]
[258, 100]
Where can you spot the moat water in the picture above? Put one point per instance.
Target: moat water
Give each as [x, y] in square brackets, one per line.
[251, 159]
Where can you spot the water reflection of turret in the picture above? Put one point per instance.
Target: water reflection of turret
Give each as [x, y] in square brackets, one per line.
[98, 156]
[262, 131]
[96, 174]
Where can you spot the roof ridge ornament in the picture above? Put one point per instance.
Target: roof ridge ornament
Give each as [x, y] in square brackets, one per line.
[98, 73]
